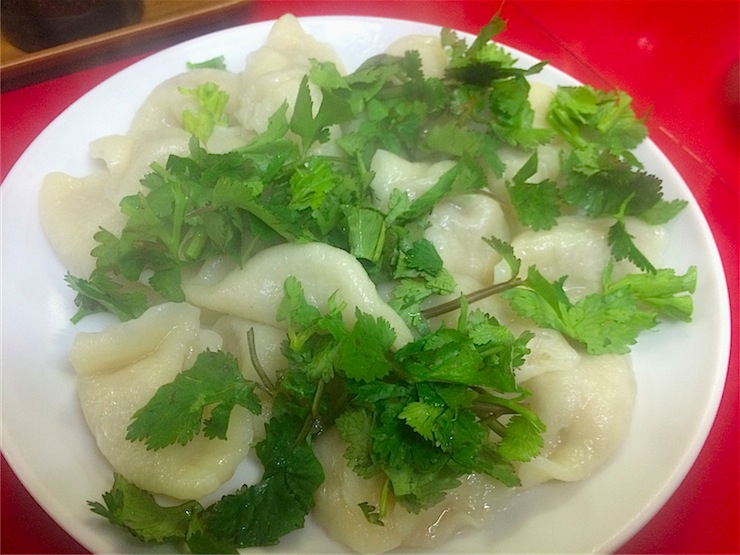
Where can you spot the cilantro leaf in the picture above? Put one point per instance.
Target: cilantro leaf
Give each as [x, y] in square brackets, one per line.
[594, 121]
[445, 355]
[137, 511]
[310, 185]
[536, 204]
[218, 62]
[665, 292]
[101, 294]
[420, 273]
[663, 211]
[355, 427]
[175, 414]
[522, 438]
[372, 514]
[605, 191]
[304, 319]
[507, 253]
[261, 514]
[367, 232]
[364, 352]
[604, 323]
[310, 128]
[419, 258]
[623, 246]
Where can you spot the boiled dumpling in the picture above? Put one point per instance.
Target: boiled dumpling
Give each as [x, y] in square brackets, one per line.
[391, 172]
[130, 158]
[164, 107]
[548, 351]
[254, 292]
[337, 511]
[433, 56]
[268, 343]
[274, 72]
[120, 368]
[72, 210]
[587, 409]
[577, 247]
[457, 226]
[115, 151]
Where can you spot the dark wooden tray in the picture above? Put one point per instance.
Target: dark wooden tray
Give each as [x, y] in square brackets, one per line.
[160, 17]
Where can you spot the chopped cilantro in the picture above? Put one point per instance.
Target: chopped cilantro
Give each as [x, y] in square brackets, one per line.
[261, 514]
[218, 62]
[211, 104]
[595, 121]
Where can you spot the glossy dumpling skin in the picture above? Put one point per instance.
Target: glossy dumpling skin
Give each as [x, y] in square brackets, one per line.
[120, 368]
[254, 292]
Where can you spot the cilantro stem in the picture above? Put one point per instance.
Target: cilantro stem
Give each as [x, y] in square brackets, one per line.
[497, 427]
[472, 297]
[313, 416]
[383, 501]
[490, 410]
[269, 386]
[317, 398]
[178, 218]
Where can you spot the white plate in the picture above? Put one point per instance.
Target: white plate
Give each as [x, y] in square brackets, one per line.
[680, 369]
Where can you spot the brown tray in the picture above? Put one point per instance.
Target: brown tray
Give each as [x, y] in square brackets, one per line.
[159, 17]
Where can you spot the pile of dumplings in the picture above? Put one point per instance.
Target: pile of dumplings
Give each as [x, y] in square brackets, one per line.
[585, 401]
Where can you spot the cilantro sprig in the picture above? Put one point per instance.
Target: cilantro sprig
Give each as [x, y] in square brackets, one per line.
[608, 321]
[176, 413]
[602, 176]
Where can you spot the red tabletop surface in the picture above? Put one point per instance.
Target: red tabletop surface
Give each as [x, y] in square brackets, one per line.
[677, 58]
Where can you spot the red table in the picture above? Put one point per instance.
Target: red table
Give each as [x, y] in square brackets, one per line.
[678, 58]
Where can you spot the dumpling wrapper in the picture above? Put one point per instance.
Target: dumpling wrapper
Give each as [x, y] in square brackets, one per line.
[457, 227]
[587, 408]
[120, 368]
[274, 72]
[71, 211]
[254, 291]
